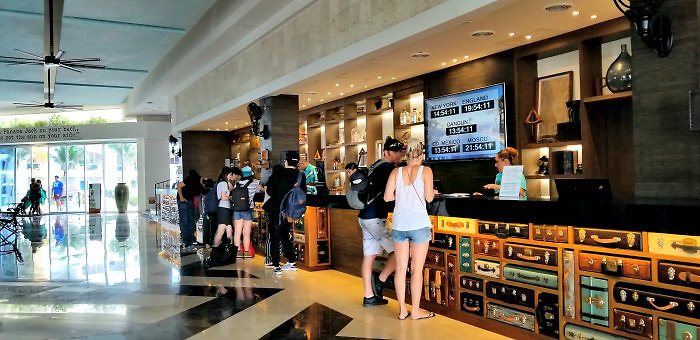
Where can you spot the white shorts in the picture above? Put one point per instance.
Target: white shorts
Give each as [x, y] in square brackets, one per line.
[375, 236]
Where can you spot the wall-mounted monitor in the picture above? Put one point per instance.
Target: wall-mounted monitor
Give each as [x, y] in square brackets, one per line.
[466, 125]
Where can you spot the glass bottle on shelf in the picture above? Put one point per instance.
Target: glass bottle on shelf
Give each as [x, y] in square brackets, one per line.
[414, 115]
[419, 116]
[402, 117]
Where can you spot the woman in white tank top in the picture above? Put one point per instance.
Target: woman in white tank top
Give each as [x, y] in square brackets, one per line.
[411, 186]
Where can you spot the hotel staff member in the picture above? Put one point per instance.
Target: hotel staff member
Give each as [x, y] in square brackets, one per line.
[503, 158]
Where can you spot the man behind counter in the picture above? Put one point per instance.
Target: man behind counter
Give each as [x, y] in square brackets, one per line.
[311, 175]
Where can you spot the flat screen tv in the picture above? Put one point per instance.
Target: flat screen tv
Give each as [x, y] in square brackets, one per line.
[466, 125]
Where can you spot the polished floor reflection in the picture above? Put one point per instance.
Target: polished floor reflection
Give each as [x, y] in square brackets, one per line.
[120, 276]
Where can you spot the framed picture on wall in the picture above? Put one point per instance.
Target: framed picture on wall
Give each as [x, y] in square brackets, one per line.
[552, 93]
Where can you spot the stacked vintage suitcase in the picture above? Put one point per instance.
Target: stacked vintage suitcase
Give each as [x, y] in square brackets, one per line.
[564, 282]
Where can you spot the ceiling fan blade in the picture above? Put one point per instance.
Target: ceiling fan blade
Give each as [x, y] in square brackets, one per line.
[60, 54]
[82, 60]
[17, 58]
[27, 106]
[24, 63]
[83, 65]
[70, 68]
[27, 53]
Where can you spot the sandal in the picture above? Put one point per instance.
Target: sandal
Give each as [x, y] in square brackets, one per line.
[430, 315]
[405, 317]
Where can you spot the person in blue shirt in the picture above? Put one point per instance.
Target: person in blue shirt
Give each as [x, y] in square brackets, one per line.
[57, 192]
[311, 175]
[504, 158]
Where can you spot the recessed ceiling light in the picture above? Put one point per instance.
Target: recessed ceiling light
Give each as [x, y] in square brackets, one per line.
[365, 85]
[454, 60]
[393, 78]
[466, 57]
[379, 77]
[419, 55]
[329, 93]
[336, 84]
[558, 7]
[247, 123]
[351, 85]
[303, 106]
[443, 64]
[226, 123]
[341, 93]
[309, 99]
[482, 34]
[575, 12]
[511, 34]
[321, 99]
[208, 129]
[217, 129]
[528, 37]
[594, 16]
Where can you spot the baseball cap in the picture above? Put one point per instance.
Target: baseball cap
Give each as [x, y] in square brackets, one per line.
[247, 171]
[392, 144]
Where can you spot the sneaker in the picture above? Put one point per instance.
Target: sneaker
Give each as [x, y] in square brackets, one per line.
[247, 255]
[278, 270]
[290, 266]
[377, 285]
[269, 265]
[374, 301]
[239, 254]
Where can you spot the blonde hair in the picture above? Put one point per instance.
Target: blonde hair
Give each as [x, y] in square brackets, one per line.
[508, 153]
[414, 149]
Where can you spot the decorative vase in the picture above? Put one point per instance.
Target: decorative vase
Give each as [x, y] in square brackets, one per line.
[121, 197]
[122, 231]
[619, 75]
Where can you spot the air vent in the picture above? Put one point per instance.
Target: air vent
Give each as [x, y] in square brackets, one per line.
[482, 34]
[560, 7]
[419, 55]
[309, 93]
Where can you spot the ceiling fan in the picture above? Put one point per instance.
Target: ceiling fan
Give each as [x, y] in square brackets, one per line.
[49, 104]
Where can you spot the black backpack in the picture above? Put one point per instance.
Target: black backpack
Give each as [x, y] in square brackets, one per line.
[363, 191]
[240, 201]
[211, 200]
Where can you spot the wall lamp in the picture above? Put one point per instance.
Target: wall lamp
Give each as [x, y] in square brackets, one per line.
[653, 28]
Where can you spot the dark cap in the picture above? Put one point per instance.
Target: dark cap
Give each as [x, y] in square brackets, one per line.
[292, 157]
[392, 144]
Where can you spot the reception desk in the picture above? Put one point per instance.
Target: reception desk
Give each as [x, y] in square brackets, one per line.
[538, 269]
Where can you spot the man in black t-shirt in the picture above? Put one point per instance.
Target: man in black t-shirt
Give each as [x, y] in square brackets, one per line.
[372, 220]
[187, 190]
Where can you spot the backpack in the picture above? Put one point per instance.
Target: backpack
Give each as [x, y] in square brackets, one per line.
[358, 195]
[211, 200]
[240, 201]
[293, 205]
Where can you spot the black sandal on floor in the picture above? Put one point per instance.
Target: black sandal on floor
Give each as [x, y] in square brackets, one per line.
[405, 317]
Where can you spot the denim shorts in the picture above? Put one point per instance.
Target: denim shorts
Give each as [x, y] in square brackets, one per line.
[243, 215]
[223, 216]
[417, 236]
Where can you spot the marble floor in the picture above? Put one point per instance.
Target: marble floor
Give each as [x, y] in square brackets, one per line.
[109, 276]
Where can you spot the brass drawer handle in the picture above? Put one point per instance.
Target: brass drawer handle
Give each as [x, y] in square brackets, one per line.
[689, 277]
[486, 269]
[685, 247]
[471, 309]
[526, 277]
[566, 284]
[528, 258]
[597, 301]
[596, 238]
[671, 305]
[507, 318]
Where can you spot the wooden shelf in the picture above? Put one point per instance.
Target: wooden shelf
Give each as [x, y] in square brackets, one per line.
[551, 145]
[406, 126]
[317, 124]
[334, 146]
[536, 177]
[608, 97]
[553, 176]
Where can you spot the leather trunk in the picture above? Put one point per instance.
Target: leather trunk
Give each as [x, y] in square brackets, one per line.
[576, 332]
[487, 268]
[504, 230]
[434, 286]
[524, 253]
[533, 276]
[614, 265]
[550, 233]
[451, 280]
[472, 303]
[630, 240]
[677, 245]
[652, 298]
[633, 323]
[594, 300]
[435, 259]
[679, 274]
[674, 330]
[485, 246]
[568, 284]
[547, 313]
[511, 316]
[510, 294]
[465, 254]
[471, 283]
[444, 241]
[456, 224]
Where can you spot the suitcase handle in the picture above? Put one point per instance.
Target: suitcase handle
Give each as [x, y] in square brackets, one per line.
[671, 305]
[471, 309]
[529, 258]
[507, 318]
[486, 269]
[689, 277]
[596, 238]
[611, 267]
[566, 284]
[526, 277]
[638, 330]
[685, 247]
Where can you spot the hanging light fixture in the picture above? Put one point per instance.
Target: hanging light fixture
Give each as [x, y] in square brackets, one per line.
[653, 28]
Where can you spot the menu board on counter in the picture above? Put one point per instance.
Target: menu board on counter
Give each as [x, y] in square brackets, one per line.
[466, 125]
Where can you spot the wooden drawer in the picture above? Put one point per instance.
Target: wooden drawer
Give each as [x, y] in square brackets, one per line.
[444, 241]
[434, 286]
[511, 316]
[435, 259]
[633, 323]
[451, 280]
[677, 245]
[614, 265]
[654, 298]
[547, 314]
[510, 294]
[576, 332]
[485, 246]
[672, 330]
[471, 303]
[471, 283]
[629, 240]
[568, 284]
[519, 252]
[456, 224]
[465, 254]
[504, 230]
[550, 233]
[594, 300]
[679, 274]
[487, 268]
[533, 276]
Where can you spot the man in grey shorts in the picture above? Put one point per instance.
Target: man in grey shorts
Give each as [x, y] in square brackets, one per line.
[372, 220]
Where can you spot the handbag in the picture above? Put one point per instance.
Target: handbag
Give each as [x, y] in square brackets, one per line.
[436, 207]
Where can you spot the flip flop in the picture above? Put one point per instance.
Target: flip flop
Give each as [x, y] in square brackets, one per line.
[431, 315]
[405, 317]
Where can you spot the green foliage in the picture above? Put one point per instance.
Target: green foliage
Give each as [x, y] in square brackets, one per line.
[57, 120]
[95, 120]
[54, 120]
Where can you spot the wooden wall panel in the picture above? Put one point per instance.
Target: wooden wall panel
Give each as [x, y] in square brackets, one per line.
[347, 241]
[205, 152]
